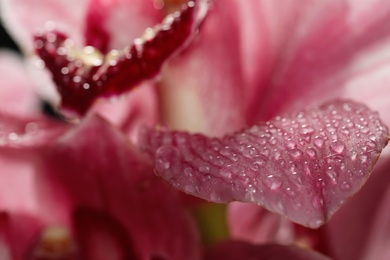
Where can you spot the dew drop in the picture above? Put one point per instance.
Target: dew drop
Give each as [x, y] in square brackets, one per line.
[311, 152]
[295, 153]
[205, 168]
[338, 147]
[345, 186]
[225, 173]
[31, 128]
[318, 202]
[13, 136]
[273, 182]
[318, 142]
[290, 193]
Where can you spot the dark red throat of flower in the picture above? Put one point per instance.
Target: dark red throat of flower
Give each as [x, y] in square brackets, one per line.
[84, 75]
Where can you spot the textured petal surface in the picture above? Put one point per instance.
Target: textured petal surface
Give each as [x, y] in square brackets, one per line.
[303, 165]
[237, 250]
[117, 200]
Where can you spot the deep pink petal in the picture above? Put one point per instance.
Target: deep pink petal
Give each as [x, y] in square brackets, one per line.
[237, 250]
[111, 178]
[80, 81]
[22, 216]
[303, 165]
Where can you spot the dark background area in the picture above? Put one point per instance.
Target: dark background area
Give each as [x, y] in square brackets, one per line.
[5, 40]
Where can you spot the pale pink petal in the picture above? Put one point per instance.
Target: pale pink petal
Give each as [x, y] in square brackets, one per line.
[303, 165]
[326, 43]
[202, 88]
[21, 214]
[360, 230]
[23, 18]
[17, 95]
[131, 111]
[115, 24]
[111, 180]
[251, 223]
[237, 250]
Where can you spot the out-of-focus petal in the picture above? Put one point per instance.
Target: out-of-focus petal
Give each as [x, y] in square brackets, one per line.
[23, 18]
[120, 21]
[360, 230]
[251, 223]
[303, 165]
[328, 43]
[131, 111]
[110, 176]
[17, 95]
[237, 250]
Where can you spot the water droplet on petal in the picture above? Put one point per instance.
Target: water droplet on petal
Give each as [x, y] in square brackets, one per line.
[318, 202]
[273, 182]
[338, 147]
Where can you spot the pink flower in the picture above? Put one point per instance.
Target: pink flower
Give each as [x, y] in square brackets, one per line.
[250, 62]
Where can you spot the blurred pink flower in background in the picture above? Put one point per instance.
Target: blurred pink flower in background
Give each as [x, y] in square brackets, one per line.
[84, 190]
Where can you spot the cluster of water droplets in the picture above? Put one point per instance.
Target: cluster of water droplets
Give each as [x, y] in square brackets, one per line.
[303, 164]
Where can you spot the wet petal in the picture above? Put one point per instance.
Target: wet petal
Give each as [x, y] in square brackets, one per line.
[111, 177]
[237, 250]
[303, 165]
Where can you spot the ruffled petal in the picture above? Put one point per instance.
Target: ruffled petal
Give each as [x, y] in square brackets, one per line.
[110, 180]
[237, 250]
[319, 156]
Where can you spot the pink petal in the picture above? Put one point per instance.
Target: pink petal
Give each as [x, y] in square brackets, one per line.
[131, 111]
[303, 165]
[21, 213]
[17, 94]
[29, 132]
[97, 170]
[24, 18]
[237, 250]
[309, 68]
[205, 81]
[360, 229]
[251, 223]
